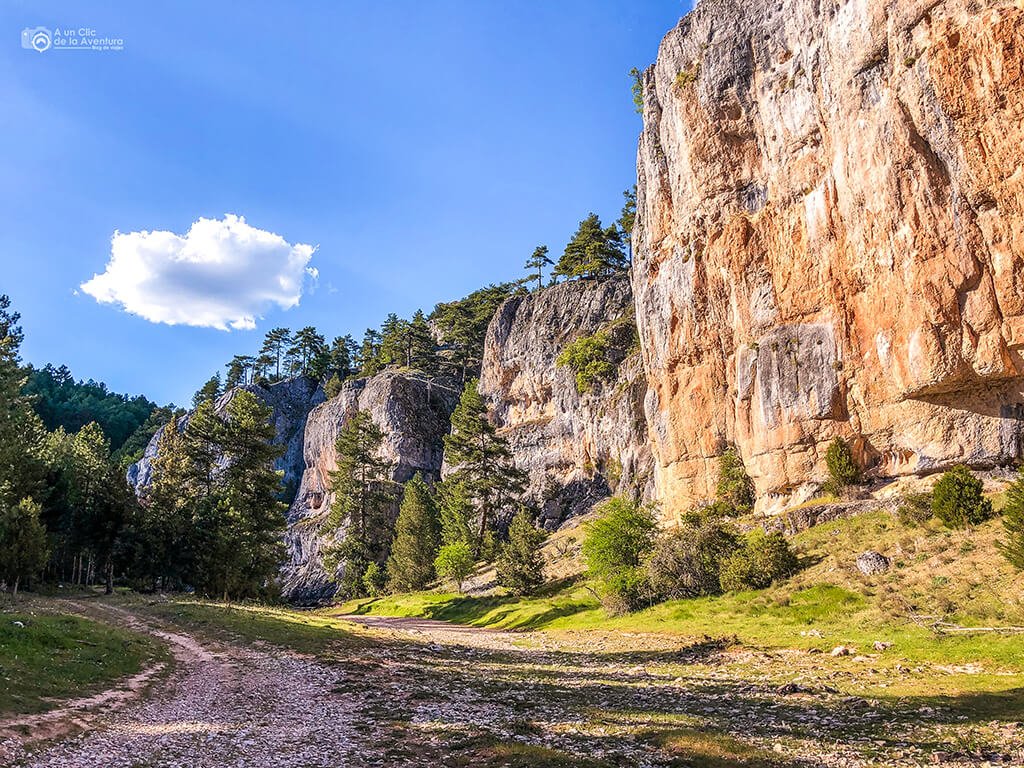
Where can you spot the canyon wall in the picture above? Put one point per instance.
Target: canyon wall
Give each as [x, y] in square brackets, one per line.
[830, 239]
[411, 410]
[576, 448]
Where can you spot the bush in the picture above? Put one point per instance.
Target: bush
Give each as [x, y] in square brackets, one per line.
[915, 509]
[763, 558]
[735, 487]
[1012, 546]
[332, 387]
[615, 547]
[958, 501]
[687, 561]
[373, 580]
[587, 357]
[454, 562]
[520, 565]
[842, 469]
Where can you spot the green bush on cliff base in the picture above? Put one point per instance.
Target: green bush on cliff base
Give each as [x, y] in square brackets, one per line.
[958, 501]
[763, 558]
[615, 547]
[842, 469]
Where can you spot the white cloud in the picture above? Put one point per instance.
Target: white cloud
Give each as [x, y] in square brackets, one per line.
[221, 274]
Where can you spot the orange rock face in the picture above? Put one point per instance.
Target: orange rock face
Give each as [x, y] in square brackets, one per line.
[830, 238]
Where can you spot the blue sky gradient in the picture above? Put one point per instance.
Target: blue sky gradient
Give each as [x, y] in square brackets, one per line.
[425, 147]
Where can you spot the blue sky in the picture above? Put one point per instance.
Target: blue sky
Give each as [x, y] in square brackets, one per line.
[425, 148]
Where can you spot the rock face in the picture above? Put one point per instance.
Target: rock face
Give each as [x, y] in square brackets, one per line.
[830, 238]
[290, 399]
[576, 448]
[412, 411]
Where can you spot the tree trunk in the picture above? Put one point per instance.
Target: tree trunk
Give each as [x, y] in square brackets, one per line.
[110, 578]
[14, 592]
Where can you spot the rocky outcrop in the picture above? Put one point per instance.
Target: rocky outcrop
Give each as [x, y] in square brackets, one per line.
[577, 448]
[830, 238]
[290, 399]
[411, 410]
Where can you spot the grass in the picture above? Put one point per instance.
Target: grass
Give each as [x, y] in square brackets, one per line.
[55, 657]
[953, 575]
[303, 631]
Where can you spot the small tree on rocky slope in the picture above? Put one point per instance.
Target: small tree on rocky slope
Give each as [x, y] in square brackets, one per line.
[411, 563]
[363, 494]
[482, 461]
[1012, 546]
[958, 499]
[520, 565]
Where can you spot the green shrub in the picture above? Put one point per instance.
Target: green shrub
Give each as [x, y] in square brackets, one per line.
[615, 547]
[686, 562]
[587, 357]
[1012, 546]
[520, 566]
[332, 387]
[842, 469]
[957, 499]
[763, 558]
[915, 509]
[373, 580]
[454, 562]
[735, 487]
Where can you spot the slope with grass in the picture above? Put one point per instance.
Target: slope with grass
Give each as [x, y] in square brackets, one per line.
[47, 657]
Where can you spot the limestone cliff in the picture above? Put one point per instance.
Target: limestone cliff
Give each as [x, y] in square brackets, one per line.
[413, 413]
[290, 399]
[576, 448]
[830, 238]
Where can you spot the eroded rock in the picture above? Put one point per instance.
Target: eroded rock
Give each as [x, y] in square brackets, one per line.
[830, 240]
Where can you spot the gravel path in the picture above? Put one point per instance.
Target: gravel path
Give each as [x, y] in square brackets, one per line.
[224, 706]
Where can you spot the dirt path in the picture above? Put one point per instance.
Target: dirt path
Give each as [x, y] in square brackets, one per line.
[415, 692]
[225, 706]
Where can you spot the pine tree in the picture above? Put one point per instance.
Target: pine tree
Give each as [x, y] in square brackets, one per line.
[369, 358]
[627, 219]
[309, 353]
[165, 521]
[363, 497]
[594, 251]
[238, 371]
[1012, 546]
[520, 565]
[535, 265]
[394, 341]
[637, 87]
[275, 346]
[456, 512]
[482, 461]
[255, 519]
[342, 357]
[422, 352]
[411, 564]
[209, 391]
[23, 549]
[20, 429]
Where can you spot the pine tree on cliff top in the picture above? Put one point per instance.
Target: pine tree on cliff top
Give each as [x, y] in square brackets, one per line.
[594, 251]
[535, 265]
